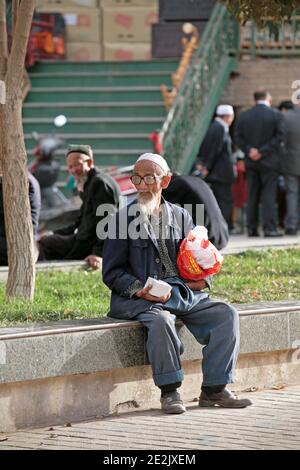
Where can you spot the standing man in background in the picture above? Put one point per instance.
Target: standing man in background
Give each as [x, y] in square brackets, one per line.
[291, 169]
[215, 156]
[260, 135]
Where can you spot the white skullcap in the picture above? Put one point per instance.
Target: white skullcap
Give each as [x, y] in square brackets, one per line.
[225, 110]
[157, 159]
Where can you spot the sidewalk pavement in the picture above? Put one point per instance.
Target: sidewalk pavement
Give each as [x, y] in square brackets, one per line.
[272, 422]
[240, 243]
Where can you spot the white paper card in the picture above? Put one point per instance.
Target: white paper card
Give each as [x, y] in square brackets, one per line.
[159, 288]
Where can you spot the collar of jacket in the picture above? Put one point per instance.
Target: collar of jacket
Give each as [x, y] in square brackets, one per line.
[90, 175]
[223, 124]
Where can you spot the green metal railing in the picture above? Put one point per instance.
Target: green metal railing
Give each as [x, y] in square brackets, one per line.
[199, 93]
[274, 40]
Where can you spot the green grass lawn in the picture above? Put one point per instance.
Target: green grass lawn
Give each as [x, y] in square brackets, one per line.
[245, 278]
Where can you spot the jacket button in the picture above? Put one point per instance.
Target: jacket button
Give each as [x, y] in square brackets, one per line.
[157, 260]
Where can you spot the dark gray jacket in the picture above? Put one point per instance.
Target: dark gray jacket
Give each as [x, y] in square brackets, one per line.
[291, 163]
[126, 260]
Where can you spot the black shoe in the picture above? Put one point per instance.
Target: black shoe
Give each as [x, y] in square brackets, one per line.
[224, 399]
[291, 231]
[253, 233]
[272, 233]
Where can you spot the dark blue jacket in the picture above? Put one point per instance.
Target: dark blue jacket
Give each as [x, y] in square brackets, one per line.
[126, 260]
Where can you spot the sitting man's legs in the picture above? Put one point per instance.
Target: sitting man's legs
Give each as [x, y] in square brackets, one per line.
[216, 325]
[164, 349]
[55, 247]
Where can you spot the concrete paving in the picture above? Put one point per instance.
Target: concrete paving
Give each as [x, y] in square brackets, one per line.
[272, 422]
[240, 243]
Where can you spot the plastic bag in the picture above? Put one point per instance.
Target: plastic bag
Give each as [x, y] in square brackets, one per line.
[198, 257]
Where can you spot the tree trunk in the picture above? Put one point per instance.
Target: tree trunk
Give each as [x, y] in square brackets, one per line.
[3, 40]
[18, 225]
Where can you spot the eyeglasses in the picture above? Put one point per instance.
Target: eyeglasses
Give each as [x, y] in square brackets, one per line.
[148, 179]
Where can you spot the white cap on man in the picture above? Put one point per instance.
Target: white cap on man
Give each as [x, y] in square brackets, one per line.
[225, 110]
[157, 159]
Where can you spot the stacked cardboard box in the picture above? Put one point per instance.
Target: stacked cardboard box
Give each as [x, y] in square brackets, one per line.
[68, 3]
[127, 28]
[83, 27]
[109, 29]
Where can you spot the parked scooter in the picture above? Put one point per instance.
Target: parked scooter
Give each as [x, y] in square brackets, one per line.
[46, 170]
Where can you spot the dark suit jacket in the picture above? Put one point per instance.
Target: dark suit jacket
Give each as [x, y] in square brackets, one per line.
[193, 190]
[261, 127]
[216, 154]
[98, 189]
[291, 162]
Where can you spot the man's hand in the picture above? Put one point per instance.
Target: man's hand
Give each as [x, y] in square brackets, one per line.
[94, 261]
[42, 235]
[202, 169]
[144, 294]
[197, 285]
[254, 154]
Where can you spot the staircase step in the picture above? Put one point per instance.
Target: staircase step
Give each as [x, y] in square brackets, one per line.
[93, 125]
[58, 94]
[106, 157]
[89, 109]
[152, 65]
[99, 80]
[101, 141]
[60, 154]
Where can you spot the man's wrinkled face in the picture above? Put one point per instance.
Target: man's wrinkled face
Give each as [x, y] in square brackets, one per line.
[79, 165]
[150, 193]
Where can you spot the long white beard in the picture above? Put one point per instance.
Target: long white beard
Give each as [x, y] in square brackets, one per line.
[148, 203]
[80, 182]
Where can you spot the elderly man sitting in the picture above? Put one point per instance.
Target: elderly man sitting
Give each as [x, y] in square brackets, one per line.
[143, 240]
[79, 240]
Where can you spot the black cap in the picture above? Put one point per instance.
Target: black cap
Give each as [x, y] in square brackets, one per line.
[84, 149]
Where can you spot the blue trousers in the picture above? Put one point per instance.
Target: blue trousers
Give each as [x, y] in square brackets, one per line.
[214, 324]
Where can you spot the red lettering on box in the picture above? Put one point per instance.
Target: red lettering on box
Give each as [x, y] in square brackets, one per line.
[124, 20]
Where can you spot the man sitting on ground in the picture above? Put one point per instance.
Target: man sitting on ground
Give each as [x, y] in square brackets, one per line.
[79, 240]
